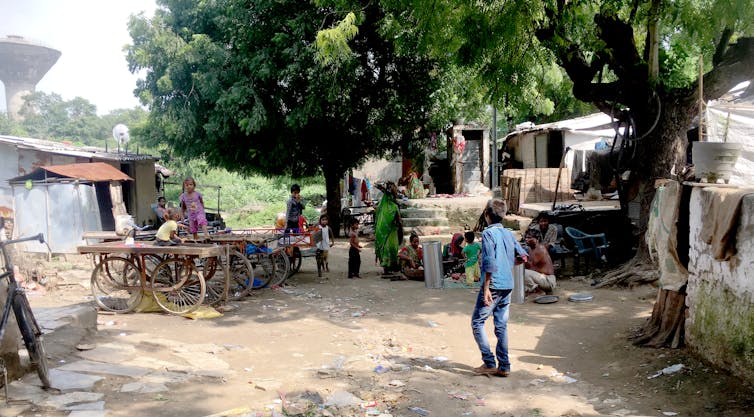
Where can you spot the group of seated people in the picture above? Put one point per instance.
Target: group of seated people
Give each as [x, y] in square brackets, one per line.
[457, 257]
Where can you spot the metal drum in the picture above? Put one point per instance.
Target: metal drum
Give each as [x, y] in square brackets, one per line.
[432, 264]
[518, 295]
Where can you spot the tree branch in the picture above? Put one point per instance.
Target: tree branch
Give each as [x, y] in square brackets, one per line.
[722, 45]
[736, 66]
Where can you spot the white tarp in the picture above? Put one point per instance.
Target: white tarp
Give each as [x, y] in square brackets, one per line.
[731, 119]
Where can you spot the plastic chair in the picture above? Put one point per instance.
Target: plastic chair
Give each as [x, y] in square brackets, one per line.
[595, 245]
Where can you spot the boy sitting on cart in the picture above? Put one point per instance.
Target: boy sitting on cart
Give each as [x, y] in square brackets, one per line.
[167, 234]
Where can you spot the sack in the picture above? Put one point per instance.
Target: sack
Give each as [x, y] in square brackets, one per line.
[124, 224]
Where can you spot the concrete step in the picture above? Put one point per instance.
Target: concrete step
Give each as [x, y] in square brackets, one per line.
[424, 221]
[423, 212]
[427, 232]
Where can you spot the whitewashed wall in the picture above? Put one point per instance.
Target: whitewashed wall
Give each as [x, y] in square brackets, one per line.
[720, 322]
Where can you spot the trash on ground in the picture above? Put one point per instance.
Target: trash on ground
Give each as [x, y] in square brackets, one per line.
[420, 411]
[667, 371]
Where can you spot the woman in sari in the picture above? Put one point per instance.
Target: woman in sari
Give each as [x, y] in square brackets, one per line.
[411, 259]
[388, 227]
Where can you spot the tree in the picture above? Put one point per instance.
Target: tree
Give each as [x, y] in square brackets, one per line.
[627, 58]
[239, 83]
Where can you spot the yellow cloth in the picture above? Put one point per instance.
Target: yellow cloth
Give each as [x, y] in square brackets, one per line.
[472, 273]
[167, 229]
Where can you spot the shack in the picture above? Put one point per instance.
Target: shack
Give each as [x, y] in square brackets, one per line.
[533, 154]
[21, 156]
[64, 201]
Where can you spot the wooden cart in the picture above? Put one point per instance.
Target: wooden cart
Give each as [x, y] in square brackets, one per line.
[259, 248]
[175, 276]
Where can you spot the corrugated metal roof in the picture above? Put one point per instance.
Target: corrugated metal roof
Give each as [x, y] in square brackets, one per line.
[72, 150]
[94, 171]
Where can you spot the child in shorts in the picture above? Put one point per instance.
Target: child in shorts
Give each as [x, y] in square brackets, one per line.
[328, 240]
[167, 234]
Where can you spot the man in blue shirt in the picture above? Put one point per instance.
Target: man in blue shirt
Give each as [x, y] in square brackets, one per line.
[500, 251]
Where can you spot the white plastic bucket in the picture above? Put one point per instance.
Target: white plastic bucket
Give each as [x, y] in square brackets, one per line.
[714, 161]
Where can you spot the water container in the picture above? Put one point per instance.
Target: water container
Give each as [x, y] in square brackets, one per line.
[432, 264]
[518, 296]
[715, 160]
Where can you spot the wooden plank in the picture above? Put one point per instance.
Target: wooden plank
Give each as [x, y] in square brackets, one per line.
[139, 248]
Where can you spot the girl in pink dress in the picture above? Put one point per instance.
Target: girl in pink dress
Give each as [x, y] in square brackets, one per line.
[192, 205]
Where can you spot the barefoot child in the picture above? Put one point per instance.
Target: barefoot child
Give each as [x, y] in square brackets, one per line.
[167, 234]
[328, 240]
[192, 205]
[354, 257]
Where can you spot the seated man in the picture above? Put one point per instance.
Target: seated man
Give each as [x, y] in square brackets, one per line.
[539, 275]
[410, 257]
[549, 235]
[161, 212]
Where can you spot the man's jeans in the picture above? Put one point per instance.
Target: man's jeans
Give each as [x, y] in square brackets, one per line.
[499, 310]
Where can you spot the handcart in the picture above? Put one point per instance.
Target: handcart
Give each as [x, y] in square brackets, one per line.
[175, 276]
[257, 247]
[301, 245]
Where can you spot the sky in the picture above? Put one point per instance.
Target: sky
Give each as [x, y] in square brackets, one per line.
[90, 34]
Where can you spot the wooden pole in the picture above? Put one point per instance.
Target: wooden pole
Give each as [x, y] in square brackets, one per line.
[701, 98]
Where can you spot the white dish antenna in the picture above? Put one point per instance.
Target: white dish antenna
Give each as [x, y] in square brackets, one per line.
[120, 133]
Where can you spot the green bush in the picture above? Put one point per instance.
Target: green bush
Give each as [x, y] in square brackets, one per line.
[246, 201]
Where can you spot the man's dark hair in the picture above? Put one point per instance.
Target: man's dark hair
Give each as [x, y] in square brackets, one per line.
[469, 236]
[545, 215]
[160, 198]
[324, 216]
[536, 234]
[295, 187]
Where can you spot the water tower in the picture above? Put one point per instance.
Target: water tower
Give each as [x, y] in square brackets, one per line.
[22, 64]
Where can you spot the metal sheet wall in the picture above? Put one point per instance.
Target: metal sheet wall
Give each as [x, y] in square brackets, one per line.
[62, 211]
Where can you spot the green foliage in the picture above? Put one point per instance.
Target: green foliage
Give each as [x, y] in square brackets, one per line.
[48, 116]
[240, 85]
[245, 201]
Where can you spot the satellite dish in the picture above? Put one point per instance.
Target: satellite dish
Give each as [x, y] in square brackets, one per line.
[120, 133]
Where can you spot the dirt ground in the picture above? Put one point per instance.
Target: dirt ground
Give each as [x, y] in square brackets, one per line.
[405, 350]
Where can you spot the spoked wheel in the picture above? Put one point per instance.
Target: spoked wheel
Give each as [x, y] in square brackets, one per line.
[32, 336]
[240, 283]
[281, 265]
[150, 262]
[264, 270]
[295, 260]
[116, 285]
[208, 267]
[177, 286]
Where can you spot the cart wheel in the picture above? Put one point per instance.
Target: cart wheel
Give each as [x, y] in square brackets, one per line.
[150, 262]
[178, 286]
[208, 267]
[295, 259]
[241, 278]
[277, 266]
[116, 284]
[264, 270]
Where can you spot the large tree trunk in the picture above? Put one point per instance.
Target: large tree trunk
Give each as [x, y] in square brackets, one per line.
[666, 326]
[332, 188]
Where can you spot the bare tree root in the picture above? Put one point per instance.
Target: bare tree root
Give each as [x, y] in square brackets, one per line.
[638, 270]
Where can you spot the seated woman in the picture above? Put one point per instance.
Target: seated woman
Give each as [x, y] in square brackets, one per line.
[410, 257]
[452, 255]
